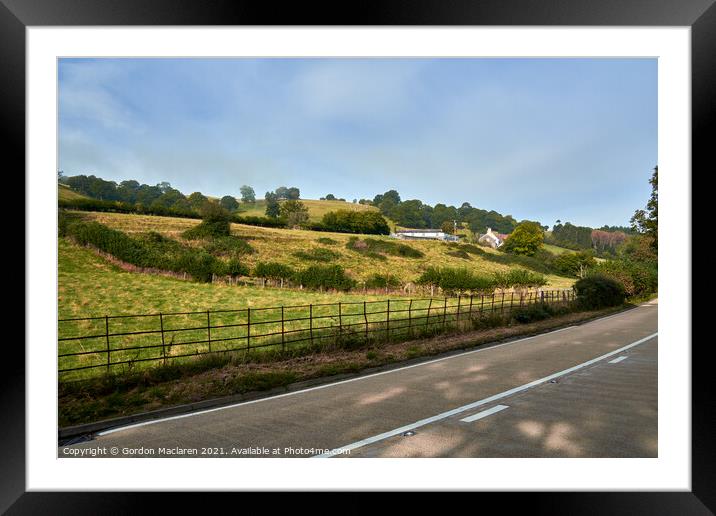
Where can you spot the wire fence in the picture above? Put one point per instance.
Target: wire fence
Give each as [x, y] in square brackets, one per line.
[94, 345]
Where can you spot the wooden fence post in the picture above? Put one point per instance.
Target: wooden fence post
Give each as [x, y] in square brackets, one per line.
[427, 319]
[458, 309]
[365, 317]
[387, 321]
[161, 328]
[471, 306]
[208, 329]
[340, 318]
[410, 316]
[310, 321]
[248, 329]
[106, 332]
[283, 331]
[444, 311]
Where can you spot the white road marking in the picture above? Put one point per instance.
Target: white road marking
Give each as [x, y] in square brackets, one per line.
[479, 403]
[484, 413]
[325, 386]
[617, 360]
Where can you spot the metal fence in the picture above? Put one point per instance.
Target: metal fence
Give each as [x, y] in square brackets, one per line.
[91, 345]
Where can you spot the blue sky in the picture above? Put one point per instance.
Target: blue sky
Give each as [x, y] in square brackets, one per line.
[540, 139]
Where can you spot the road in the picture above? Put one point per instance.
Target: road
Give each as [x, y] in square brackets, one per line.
[585, 391]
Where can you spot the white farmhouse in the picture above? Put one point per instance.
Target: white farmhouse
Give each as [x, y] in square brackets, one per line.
[494, 240]
[424, 234]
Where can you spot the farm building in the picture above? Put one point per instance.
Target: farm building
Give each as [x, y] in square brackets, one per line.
[424, 234]
[492, 239]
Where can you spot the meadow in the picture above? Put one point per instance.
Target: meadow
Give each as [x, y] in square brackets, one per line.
[291, 247]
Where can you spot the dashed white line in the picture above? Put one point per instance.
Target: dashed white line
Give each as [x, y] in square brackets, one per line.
[479, 403]
[617, 360]
[484, 413]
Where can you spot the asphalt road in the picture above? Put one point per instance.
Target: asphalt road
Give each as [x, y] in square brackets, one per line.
[568, 393]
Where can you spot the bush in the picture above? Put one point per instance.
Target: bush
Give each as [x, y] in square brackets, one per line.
[375, 246]
[273, 271]
[519, 278]
[317, 254]
[228, 246]
[215, 223]
[327, 241]
[531, 313]
[599, 291]
[455, 280]
[636, 277]
[382, 281]
[321, 277]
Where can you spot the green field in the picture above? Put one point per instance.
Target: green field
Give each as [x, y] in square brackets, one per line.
[65, 193]
[554, 249]
[279, 245]
[89, 286]
[316, 209]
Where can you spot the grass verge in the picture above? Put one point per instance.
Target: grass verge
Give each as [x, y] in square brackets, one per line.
[225, 375]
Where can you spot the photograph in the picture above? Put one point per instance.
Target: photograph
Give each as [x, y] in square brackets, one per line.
[357, 257]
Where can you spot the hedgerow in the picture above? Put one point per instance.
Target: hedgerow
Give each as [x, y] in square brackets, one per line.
[328, 277]
[152, 250]
[372, 245]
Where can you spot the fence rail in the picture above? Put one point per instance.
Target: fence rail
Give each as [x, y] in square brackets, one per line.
[91, 345]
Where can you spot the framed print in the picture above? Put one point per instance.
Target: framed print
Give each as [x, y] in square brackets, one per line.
[365, 313]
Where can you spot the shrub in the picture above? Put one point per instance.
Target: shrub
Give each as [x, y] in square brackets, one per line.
[215, 223]
[382, 281]
[321, 277]
[461, 253]
[372, 245]
[228, 246]
[317, 254]
[531, 313]
[273, 271]
[599, 291]
[455, 280]
[636, 277]
[518, 278]
[327, 241]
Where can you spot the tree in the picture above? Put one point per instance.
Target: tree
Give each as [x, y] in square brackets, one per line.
[247, 194]
[282, 193]
[526, 239]
[229, 203]
[294, 212]
[448, 227]
[330, 197]
[293, 193]
[197, 200]
[273, 208]
[646, 222]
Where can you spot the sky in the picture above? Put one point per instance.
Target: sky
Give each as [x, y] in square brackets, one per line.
[539, 139]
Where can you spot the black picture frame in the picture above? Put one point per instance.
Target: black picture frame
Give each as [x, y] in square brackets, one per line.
[700, 15]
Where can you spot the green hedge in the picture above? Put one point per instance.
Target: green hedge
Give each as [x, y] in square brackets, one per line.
[599, 291]
[152, 250]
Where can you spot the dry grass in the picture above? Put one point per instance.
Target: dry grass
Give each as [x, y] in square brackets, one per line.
[316, 209]
[273, 244]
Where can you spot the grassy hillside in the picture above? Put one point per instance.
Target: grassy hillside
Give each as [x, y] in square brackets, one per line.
[316, 209]
[65, 193]
[554, 249]
[279, 245]
[89, 286]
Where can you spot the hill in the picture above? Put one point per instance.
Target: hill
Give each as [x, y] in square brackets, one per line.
[316, 209]
[290, 247]
[65, 193]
